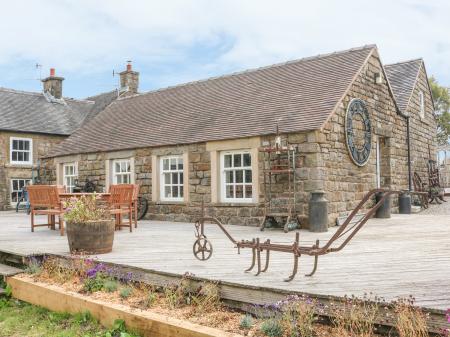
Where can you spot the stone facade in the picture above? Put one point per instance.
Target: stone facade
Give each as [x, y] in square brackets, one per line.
[422, 130]
[323, 161]
[42, 144]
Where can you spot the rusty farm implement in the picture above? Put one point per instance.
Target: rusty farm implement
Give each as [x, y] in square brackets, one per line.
[203, 249]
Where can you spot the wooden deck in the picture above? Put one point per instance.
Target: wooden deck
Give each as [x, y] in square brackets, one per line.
[401, 256]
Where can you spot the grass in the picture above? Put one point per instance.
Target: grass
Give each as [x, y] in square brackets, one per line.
[19, 319]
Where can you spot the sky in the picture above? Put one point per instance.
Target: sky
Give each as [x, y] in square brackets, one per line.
[177, 41]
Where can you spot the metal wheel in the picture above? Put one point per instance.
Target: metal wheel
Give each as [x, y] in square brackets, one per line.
[142, 206]
[202, 249]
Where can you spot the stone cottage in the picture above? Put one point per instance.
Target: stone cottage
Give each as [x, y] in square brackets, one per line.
[31, 123]
[354, 123]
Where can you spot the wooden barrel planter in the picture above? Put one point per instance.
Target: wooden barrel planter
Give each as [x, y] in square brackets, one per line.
[91, 237]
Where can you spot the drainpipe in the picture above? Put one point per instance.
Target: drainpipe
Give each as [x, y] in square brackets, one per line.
[408, 143]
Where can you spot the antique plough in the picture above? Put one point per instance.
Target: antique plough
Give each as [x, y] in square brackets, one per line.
[203, 249]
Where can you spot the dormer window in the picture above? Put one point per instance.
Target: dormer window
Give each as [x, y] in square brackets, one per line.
[421, 105]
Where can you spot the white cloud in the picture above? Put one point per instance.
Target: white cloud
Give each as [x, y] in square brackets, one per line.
[86, 36]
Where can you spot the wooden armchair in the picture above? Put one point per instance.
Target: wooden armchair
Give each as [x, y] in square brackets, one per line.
[121, 202]
[44, 199]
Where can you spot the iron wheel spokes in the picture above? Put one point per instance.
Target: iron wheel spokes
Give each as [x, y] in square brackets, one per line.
[202, 249]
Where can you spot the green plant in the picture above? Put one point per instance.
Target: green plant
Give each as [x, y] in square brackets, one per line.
[83, 318]
[410, 320]
[125, 292]
[85, 209]
[150, 299]
[33, 267]
[93, 284]
[118, 330]
[8, 291]
[110, 286]
[171, 296]
[246, 322]
[272, 327]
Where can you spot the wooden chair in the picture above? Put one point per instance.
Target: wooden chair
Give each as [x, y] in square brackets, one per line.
[135, 204]
[421, 190]
[121, 202]
[44, 199]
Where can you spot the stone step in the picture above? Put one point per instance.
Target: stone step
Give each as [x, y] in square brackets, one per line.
[6, 270]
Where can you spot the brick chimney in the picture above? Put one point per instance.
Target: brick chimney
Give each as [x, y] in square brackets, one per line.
[53, 84]
[129, 80]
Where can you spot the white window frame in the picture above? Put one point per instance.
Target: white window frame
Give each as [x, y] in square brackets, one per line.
[224, 184]
[178, 171]
[73, 177]
[17, 191]
[421, 105]
[30, 151]
[116, 174]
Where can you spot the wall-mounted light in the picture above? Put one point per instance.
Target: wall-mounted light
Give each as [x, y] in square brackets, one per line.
[378, 78]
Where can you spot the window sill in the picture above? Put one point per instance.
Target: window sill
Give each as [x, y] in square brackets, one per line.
[166, 202]
[20, 165]
[235, 204]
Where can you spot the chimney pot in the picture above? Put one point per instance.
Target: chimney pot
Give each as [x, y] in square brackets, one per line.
[129, 66]
[52, 72]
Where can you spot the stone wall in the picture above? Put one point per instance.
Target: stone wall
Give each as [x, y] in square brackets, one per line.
[346, 183]
[422, 130]
[42, 144]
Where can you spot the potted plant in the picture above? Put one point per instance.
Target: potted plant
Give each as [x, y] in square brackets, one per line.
[90, 228]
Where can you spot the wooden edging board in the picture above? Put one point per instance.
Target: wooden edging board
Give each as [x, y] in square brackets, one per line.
[144, 322]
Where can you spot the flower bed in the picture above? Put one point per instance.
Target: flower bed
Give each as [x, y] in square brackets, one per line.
[201, 305]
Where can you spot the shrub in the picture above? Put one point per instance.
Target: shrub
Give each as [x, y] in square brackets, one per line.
[125, 292]
[410, 320]
[85, 209]
[171, 297]
[298, 315]
[246, 322]
[272, 327]
[208, 297]
[110, 286]
[34, 266]
[356, 316]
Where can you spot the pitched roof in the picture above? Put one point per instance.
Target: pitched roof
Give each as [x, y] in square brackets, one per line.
[300, 95]
[38, 113]
[101, 101]
[403, 76]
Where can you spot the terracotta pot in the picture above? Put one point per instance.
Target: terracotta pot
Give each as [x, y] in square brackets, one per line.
[92, 237]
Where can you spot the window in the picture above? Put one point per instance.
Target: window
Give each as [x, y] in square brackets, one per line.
[236, 176]
[172, 185]
[122, 171]
[422, 105]
[70, 175]
[16, 189]
[21, 151]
